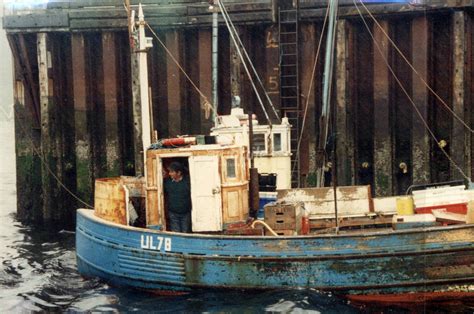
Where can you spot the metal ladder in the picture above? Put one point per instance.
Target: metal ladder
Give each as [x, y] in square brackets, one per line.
[289, 81]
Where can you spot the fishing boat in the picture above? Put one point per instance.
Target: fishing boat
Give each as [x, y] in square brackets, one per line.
[369, 248]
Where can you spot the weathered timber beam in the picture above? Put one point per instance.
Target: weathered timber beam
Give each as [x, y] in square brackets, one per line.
[110, 73]
[421, 139]
[47, 136]
[36, 20]
[308, 42]
[272, 58]
[231, 7]
[108, 16]
[59, 15]
[72, 4]
[174, 42]
[417, 3]
[30, 82]
[382, 9]
[119, 12]
[84, 168]
[382, 135]
[460, 138]
[344, 146]
[205, 82]
[470, 79]
[236, 69]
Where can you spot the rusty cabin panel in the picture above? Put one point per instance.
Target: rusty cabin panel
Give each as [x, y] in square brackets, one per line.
[111, 195]
[109, 202]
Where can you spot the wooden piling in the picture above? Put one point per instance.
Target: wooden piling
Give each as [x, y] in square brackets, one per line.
[461, 138]
[421, 137]
[205, 81]
[48, 147]
[236, 76]
[110, 90]
[62, 72]
[158, 81]
[191, 109]
[224, 73]
[174, 43]
[383, 162]
[441, 79]
[84, 169]
[307, 152]
[343, 107]
[272, 59]
[363, 106]
[27, 132]
[402, 106]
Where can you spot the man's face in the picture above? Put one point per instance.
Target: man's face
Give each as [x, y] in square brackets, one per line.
[175, 175]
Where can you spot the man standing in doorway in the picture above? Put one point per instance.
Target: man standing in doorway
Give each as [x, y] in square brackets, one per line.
[178, 196]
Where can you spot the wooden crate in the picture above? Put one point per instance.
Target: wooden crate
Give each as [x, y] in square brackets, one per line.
[283, 216]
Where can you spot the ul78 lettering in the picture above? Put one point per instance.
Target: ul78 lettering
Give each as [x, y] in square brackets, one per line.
[155, 243]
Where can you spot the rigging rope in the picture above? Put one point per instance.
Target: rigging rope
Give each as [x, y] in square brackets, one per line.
[409, 97]
[232, 35]
[224, 12]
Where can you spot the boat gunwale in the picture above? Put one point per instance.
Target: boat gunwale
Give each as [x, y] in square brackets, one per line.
[290, 258]
[89, 214]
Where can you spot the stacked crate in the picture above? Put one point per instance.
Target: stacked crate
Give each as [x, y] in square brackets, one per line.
[452, 199]
[284, 218]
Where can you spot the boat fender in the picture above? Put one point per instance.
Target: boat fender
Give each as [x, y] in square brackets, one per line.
[305, 227]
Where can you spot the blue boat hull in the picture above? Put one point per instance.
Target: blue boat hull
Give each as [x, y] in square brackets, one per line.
[422, 260]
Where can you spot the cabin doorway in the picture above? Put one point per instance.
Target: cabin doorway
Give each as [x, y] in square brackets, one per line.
[206, 195]
[183, 163]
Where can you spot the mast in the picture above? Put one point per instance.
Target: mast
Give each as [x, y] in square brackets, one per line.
[143, 76]
[327, 83]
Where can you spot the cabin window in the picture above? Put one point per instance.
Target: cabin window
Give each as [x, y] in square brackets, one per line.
[258, 143]
[277, 142]
[230, 167]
